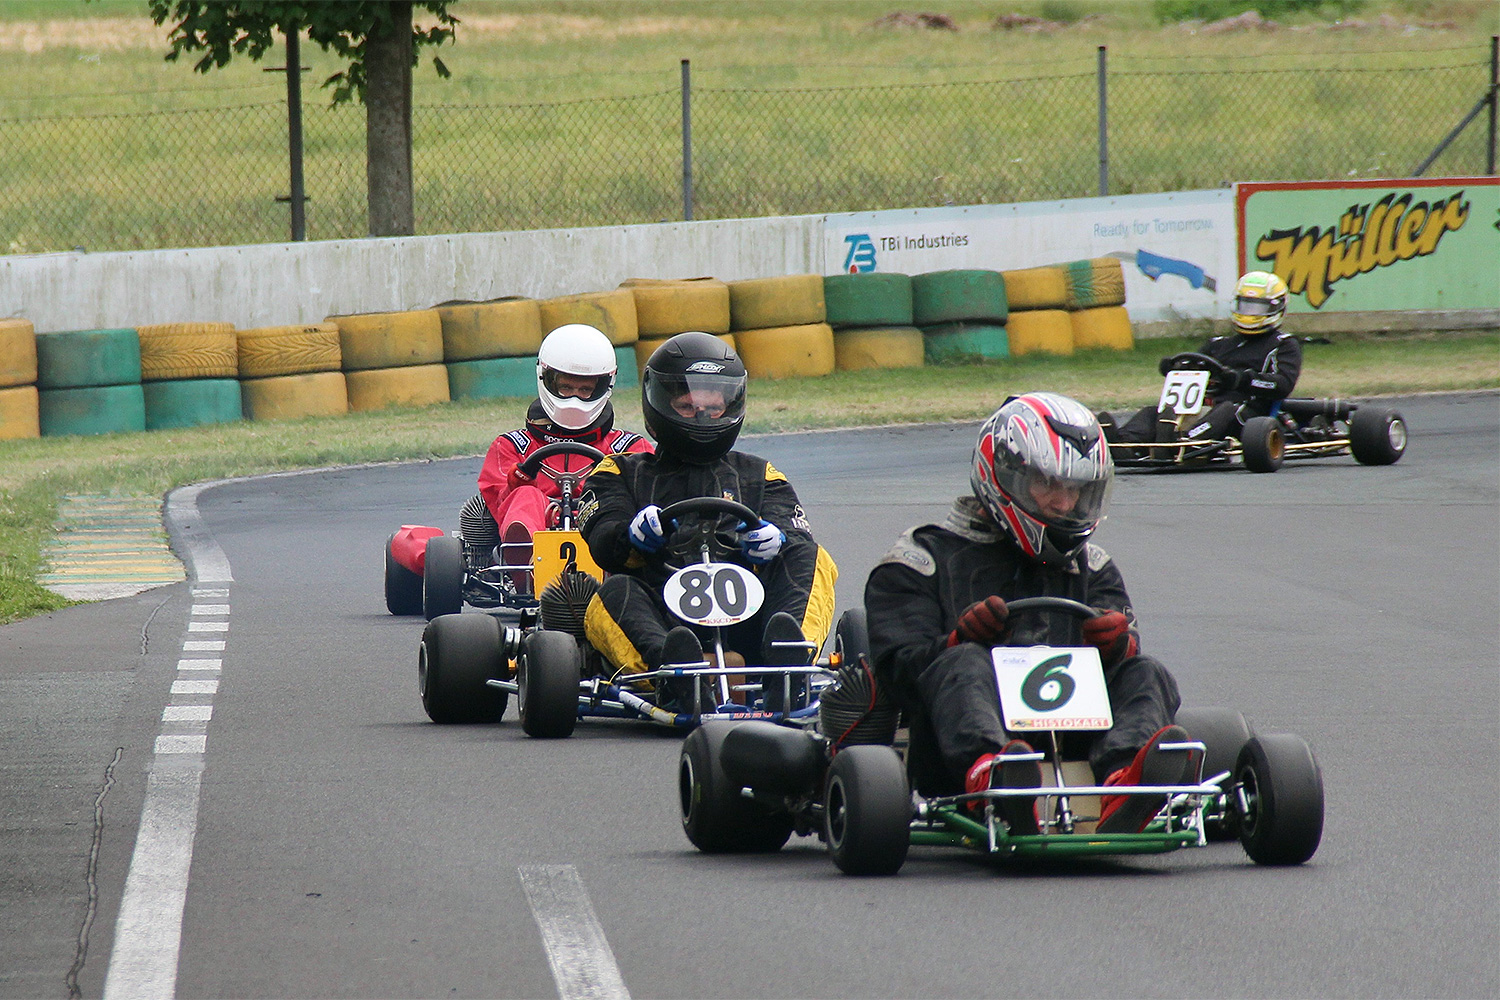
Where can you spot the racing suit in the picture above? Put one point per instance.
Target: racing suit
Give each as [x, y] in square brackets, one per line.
[1270, 363]
[627, 620]
[913, 599]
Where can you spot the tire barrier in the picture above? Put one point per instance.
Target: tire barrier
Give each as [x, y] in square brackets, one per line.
[611, 312]
[861, 348]
[964, 342]
[508, 327]
[77, 359]
[1036, 288]
[188, 350]
[663, 308]
[643, 349]
[17, 353]
[488, 378]
[89, 410]
[788, 300]
[787, 351]
[868, 299]
[1049, 331]
[955, 296]
[291, 397]
[1094, 283]
[1107, 326]
[268, 351]
[410, 385]
[191, 402]
[20, 416]
[389, 340]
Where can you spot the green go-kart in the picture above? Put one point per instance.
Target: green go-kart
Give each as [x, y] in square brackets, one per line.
[750, 786]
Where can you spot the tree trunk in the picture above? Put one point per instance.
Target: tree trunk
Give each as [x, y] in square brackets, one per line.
[388, 54]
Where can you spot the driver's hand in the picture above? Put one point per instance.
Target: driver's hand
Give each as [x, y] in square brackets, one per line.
[983, 622]
[761, 543]
[1110, 633]
[517, 478]
[646, 531]
[1164, 366]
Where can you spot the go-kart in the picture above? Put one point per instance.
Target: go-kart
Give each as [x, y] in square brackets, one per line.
[469, 665]
[427, 573]
[1298, 428]
[748, 787]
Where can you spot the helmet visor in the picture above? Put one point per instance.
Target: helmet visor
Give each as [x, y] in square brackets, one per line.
[697, 399]
[565, 385]
[1250, 306]
[1069, 504]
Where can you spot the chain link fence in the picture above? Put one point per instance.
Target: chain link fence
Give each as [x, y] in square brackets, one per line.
[219, 176]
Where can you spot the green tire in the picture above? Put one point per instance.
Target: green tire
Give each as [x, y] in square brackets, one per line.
[871, 299]
[492, 377]
[958, 296]
[191, 402]
[964, 342]
[106, 409]
[80, 358]
[626, 377]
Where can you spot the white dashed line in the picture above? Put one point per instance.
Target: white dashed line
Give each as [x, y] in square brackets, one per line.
[195, 687]
[582, 964]
[203, 646]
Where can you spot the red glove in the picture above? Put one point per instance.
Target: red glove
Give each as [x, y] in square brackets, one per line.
[982, 622]
[517, 478]
[1110, 634]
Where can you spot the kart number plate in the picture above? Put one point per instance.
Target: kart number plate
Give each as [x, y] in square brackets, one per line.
[1046, 687]
[1183, 392]
[713, 593]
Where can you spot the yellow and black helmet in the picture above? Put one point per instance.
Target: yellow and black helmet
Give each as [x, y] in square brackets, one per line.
[1259, 303]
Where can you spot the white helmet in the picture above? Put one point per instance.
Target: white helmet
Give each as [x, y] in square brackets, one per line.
[575, 349]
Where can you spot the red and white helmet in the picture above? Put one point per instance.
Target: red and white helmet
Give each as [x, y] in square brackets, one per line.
[1033, 450]
[575, 349]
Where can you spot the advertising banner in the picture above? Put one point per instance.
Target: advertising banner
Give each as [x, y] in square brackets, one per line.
[1375, 245]
[1178, 250]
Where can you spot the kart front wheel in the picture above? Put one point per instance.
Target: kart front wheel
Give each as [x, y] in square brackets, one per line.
[1278, 790]
[443, 577]
[1223, 734]
[547, 675]
[1376, 436]
[715, 816]
[403, 588]
[459, 653]
[1263, 444]
[867, 818]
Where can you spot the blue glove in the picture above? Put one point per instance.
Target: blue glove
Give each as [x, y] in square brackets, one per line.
[646, 532]
[761, 543]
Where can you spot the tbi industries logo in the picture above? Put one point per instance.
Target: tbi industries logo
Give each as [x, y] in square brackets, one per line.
[861, 256]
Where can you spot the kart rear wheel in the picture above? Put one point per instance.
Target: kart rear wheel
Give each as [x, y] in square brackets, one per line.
[1279, 799]
[547, 675]
[458, 654]
[851, 637]
[403, 588]
[1377, 436]
[715, 816]
[1263, 444]
[443, 577]
[1224, 733]
[867, 816]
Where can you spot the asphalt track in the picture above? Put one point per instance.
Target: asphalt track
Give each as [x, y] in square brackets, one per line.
[346, 847]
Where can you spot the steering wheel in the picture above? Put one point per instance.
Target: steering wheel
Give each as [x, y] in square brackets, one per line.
[1218, 372]
[687, 544]
[1076, 608]
[533, 462]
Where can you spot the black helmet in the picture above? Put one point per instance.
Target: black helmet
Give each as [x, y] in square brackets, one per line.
[693, 397]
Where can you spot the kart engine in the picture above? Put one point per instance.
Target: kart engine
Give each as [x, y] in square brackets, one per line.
[561, 604]
[853, 710]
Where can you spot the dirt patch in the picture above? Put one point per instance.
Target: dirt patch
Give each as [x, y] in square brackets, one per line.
[98, 34]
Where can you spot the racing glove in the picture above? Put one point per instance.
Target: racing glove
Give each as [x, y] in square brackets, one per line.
[1164, 365]
[516, 478]
[983, 622]
[1110, 633]
[646, 531]
[761, 543]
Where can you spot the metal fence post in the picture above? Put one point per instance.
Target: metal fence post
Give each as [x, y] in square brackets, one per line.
[293, 71]
[1489, 163]
[687, 144]
[1103, 126]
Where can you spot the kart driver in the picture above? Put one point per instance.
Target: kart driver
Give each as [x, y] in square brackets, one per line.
[1263, 364]
[936, 604]
[575, 376]
[693, 398]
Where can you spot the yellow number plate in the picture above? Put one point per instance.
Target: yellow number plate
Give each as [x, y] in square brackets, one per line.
[551, 551]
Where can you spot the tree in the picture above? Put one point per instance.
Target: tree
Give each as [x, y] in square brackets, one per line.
[382, 44]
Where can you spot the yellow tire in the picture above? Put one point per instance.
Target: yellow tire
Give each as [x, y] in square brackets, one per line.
[787, 351]
[611, 312]
[20, 413]
[645, 348]
[289, 397]
[188, 350]
[1107, 326]
[663, 308]
[17, 353]
[1094, 283]
[498, 328]
[390, 340]
[787, 300]
[1036, 288]
[1048, 331]
[412, 385]
[877, 347]
[267, 351]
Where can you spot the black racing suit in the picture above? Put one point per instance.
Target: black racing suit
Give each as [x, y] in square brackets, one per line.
[628, 620]
[913, 600]
[1270, 363]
